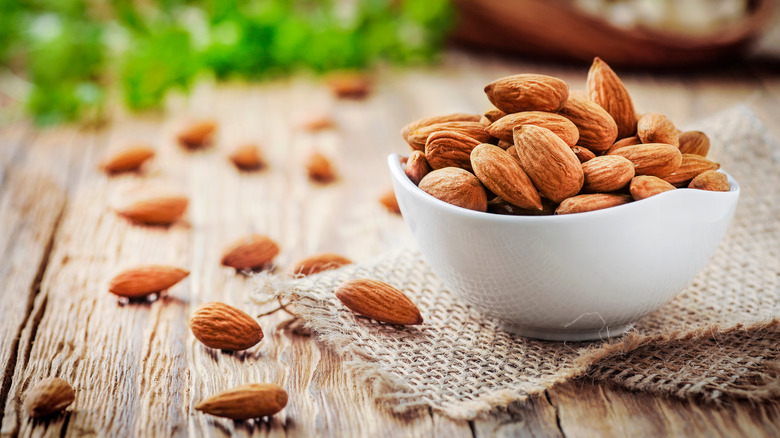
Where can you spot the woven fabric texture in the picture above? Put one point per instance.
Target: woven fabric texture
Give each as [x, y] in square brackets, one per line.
[717, 341]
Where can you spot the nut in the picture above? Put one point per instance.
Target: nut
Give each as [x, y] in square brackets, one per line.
[197, 134]
[657, 128]
[319, 168]
[607, 90]
[388, 200]
[157, 209]
[591, 202]
[422, 123]
[417, 167]
[246, 401]
[527, 92]
[607, 173]
[128, 159]
[455, 186]
[694, 142]
[711, 180]
[598, 130]
[224, 327]
[692, 165]
[583, 154]
[145, 280]
[418, 138]
[247, 157]
[502, 175]
[47, 397]
[561, 126]
[379, 301]
[655, 159]
[450, 149]
[250, 252]
[318, 263]
[645, 186]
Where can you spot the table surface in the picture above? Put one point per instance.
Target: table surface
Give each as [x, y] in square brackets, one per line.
[138, 371]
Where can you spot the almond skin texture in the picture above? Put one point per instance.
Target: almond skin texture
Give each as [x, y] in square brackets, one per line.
[549, 162]
[450, 149]
[223, 327]
[598, 130]
[128, 160]
[457, 187]
[251, 252]
[47, 397]
[655, 159]
[591, 202]
[319, 168]
[645, 186]
[318, 263]
[657, 128]
[418, 139]
[417, 167]
[527, 92]
[246, 401]
[692, 165]
[628, 141]
[561, 126]
[388, 200]
[502, 175]
[607, 173]
[144, 280]
[607, 90]
[582, 153]
[163, 209]
[694, 142]
[422, 123]
[247, 157]
[712, 181]
[379, 301]
[197, 134]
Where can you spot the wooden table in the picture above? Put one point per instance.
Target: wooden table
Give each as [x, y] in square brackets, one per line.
[138, 371]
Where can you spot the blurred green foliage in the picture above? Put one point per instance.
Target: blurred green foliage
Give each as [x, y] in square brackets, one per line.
[73, 51]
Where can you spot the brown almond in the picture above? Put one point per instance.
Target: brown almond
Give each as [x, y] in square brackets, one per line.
[607, 173]
[388, 200]
[692, 165]
[379, 301]
[694, 142]
[247, 157]
[246, 401]
[417, 167]
[500, 206]
[250, 252]
[428, 121]
[198, 134]
[549, 162]
[455, 186]
[450, 149]
[502, 174]
[128, 159]
[316, 122]
[419, 138]
[597, 128]
[607, 90]
[527, 92]
[505, 144]
[561, 126]
[582, 153]
[628, 141]
[493, 115]
[224, 327]
[47, 397]
[645, 186]
[145, 280]
[158, 209]
[349, 84]
[655, 159]
[318, 263]
[711, 180]
[657, 128]
[319, 168]
[591, 202]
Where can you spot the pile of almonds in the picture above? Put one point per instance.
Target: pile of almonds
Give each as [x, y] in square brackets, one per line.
[544, 150]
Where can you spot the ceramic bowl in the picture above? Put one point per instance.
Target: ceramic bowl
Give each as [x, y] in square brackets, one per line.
[571, 277]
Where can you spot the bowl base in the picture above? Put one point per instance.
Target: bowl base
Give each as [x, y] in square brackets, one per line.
[567, 335]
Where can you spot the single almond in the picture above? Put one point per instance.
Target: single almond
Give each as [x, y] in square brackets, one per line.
[597, 128]
[527, 92]
[657, 128]
[198, 134]
[692, 165]
[493, 115]
[428, 121]
[419, 138]
[645, 186]
[47, 397]
[349, 84]
[455, 186]
[144, 280]
[158, 209]
[607, 173]
[591, 202]
[388, 200]
[502, 174]
[505, 144]
[250, 252]
[318, 263]
[316, 122]
[607, 90]
[561, 126]
[711, 180]
[582, 153]
[245, 402]
[247, 157]
[549, 162]
[128, 159]
[694, 142]
[450, 149]
[319, 168]
[655, 159]
[623, 142]
[379, 301]
[417, 167]
[500, 206]
[224, 327]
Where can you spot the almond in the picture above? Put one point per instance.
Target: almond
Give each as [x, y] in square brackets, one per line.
[379, 301]
[224, 327]
[657, 128]
[158, 209]
[527, 92]
[493, 115]
[549, 162]
[388, 200]
[692, 165]
[319, 168]
[502, 174]
[607, 90]
[505, 144]
[144, 280]
[455, 186]
[250, 252]
[417, 167]
[419, 138]
[591, 202]
[628, 141]
[318, 263]
[422, 123]
[561, 126]
[500, 206]
[583, 154]
[316, 122]
[607, 173]
[128, 159]
[598, 130]
[711, 180]
[655, 159]
[694, 142]
[645, 186]
[450, 149]
[47, 397]
[197, 134]
[349, 84]
[245, 402]
[247, 157]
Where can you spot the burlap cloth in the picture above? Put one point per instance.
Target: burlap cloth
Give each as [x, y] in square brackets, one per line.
[718, 341]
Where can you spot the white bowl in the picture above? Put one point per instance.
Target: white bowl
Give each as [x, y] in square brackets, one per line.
[570, 277]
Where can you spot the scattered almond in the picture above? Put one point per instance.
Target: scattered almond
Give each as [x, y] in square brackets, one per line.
[318, 263]
[47, 397]
[645, 186]
[655, 159]
[591, 202]
[250, 252]
[379, 301]
[197, 134]
[145, 280]
[561, 126]
[318, 122]
[419, 138]
[657, 128]
[527, 92]
[597, 128]
[694, 142]
[349, 85]
[455, 186]
[502, 174]
[128, 159]
[224, 327]
[319, 168]
[246, 401]
[711, 180]
[247, 157]
[692, 165]
[158, 209]
[607, 173]
[450, 149]
[417, 167]
[549, 162]
[607, 90]
[388, 200]
[422, 123]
